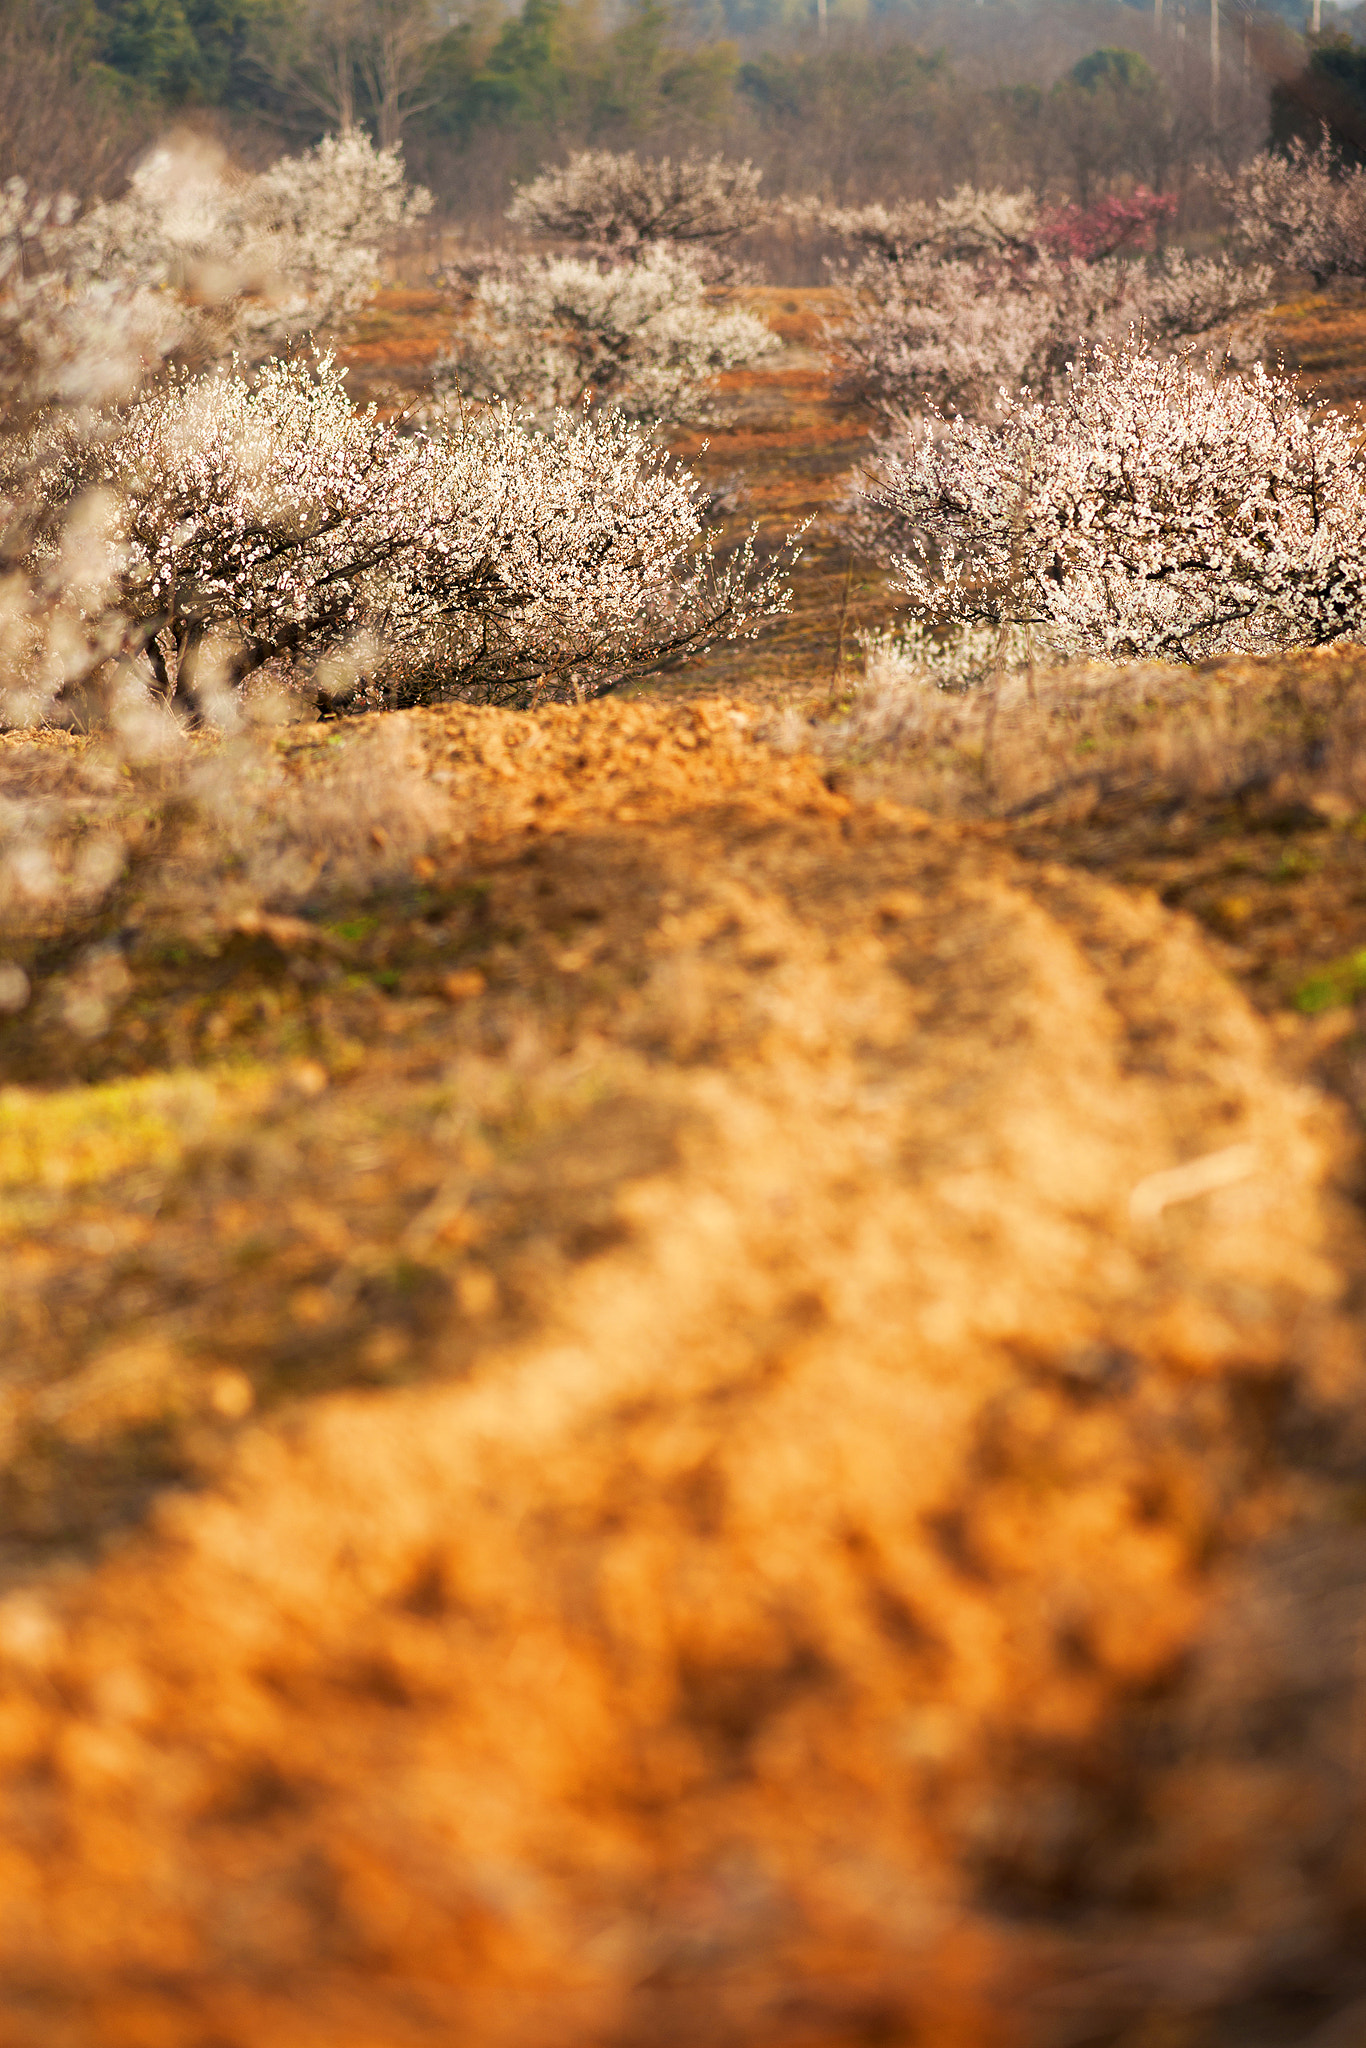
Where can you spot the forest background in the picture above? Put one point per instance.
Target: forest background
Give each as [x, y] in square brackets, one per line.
[847, 99]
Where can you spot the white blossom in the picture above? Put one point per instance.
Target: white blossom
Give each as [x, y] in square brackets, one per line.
[1305, 210]
[266, 520]
[193, 260]
[925, 332]
[615, 201]
[195, 257]
[969, 222]
[643, 338]
[1151, 507]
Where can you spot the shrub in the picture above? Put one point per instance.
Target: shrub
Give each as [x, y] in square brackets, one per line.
[262, 259]
[193, 261]
[615, 201]
[641, 338]
[212, 526]
[1114, 223]
[73, 331]
[954, 304]
[967, 223]
[926, 334]
[1304, 209]
[268, 521]
[1150, 507]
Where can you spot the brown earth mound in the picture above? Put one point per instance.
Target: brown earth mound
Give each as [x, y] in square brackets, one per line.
[840, 1575]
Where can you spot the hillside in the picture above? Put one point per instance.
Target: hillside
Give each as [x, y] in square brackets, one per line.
[673, 1381]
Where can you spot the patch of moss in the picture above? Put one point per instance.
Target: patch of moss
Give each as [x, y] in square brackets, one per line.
[75, 1137]
[1341, 981]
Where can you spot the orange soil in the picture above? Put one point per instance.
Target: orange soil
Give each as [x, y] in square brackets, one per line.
[726, 1481]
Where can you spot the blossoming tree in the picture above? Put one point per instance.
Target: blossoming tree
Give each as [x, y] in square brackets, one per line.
[954, 303]
[1150, 506]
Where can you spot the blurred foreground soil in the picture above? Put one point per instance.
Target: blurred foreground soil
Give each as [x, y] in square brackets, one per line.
[647, 1402]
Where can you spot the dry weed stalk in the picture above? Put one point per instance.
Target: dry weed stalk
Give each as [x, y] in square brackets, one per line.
[1066, 735]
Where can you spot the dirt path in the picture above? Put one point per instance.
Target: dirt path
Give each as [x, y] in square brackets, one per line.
[640, 1424]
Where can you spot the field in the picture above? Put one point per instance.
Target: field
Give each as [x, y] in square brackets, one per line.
[676, 1379]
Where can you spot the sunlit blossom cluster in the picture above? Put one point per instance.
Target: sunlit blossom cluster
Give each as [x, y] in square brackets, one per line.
[1150, 506]
[1306, 210]
[632, 319]
[194, 258]
[266, 521]
[641, 337]
[967, 222]
[181, 529]
[614, 200]
[954, 305]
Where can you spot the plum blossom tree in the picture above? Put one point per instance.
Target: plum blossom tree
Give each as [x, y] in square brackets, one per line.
[1151, 506]
[1119, 221]
[250, 262]
[642, 338]
[966, 222]
[931, 335]
[628, 321]
[1305, 210]
[193, 261]
[954, 302]
[265, 520]
[195, 525]
[615, 201]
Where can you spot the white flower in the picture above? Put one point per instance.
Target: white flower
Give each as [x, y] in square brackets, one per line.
[1304, 209]
[267, 520]
[618, 202]
[1151, 507]
[641, 337]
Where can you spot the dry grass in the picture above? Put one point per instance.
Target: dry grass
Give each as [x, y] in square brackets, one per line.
[1235, 791]
[1064, 740]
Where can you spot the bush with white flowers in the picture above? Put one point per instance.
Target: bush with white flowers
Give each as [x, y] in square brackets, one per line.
[642, 338]
[194, 260]
[613, 200]
[195, 256]
[930, 335]
[1305, 209]
[265, 520]
[1151, 507]
[966, 222]
[954, 302]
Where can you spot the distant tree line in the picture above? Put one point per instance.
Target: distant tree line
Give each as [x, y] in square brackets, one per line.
[1076, 98]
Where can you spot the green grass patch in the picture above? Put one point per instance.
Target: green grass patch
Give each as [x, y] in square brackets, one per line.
[78, 1137]
[1341, 981]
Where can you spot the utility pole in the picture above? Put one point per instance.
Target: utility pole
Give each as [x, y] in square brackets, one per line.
[1316, 17]
[822, 27]
[1214, 61]
[1157, 15]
